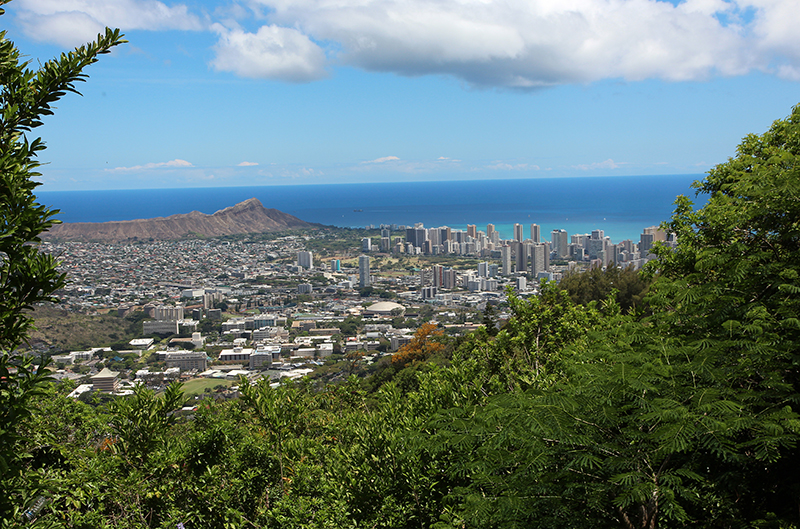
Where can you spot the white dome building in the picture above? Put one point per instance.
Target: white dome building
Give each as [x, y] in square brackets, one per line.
[383, 308]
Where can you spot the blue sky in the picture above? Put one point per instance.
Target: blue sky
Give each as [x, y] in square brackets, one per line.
[273, 92]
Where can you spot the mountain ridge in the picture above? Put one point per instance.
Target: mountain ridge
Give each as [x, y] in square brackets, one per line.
[249, 216]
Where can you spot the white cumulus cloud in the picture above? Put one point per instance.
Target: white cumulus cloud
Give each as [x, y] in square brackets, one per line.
[247, 164]
[383, 160]
[272, 52]
[177, 163]
[607, 164]
[74, 22]
[502, 166]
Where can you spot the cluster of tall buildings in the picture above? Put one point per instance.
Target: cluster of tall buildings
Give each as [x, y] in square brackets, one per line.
[520, 256]
[531, 254]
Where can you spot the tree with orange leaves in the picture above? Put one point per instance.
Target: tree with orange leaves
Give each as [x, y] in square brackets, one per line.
[426, 341]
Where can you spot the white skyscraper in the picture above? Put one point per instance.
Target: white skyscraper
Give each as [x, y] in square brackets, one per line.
[305, 260]
[505, 258]
[363, 271]
[560, 242]
[539, 259]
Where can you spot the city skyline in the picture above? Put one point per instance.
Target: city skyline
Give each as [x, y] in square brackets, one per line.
[209, 93]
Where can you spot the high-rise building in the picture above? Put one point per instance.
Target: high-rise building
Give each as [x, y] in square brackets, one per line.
[547, 251]
[522, 256]
[483, 269]
[489, 231]
[536, 233]
[336, 265]
[581, 239]
[305, 260]
[505, 259]
[518, 235]
[648, 237]
[472, 230]
[435, 236]
[595, 247]
[560, 242]
[438, 276]
[363, 271]
[449, 278]
[417, 236]
[538, 259]
[366, 244]
[627, 245]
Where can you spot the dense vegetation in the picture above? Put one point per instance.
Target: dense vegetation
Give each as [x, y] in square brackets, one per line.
[572, 415]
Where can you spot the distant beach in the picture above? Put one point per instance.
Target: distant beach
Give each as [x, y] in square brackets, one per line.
[621, 206]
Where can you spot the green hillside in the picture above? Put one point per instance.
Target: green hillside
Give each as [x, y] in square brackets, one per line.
[72, 331]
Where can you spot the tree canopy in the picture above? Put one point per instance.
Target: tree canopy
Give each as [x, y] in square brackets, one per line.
[27, 277]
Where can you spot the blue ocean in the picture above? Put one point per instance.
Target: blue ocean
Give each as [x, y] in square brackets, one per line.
[621, 206]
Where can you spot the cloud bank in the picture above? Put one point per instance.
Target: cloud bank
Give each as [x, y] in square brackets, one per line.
[511, 43]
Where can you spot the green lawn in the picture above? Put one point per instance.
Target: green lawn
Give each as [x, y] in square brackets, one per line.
[198, 386]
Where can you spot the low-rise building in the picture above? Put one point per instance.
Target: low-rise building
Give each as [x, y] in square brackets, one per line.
[106, 381]
[160, 327]
[262, 357]
[399, 341]
[187, 361]
[237, 354]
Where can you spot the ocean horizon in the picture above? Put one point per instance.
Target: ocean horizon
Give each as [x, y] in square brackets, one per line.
[621, 206]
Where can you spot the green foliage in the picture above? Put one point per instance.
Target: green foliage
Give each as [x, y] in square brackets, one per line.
[140, 421]
[630, 287]
[27, 277]
[19, 386]
[730, 290]
[685, 417]
[526, 352]
[349, 326]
